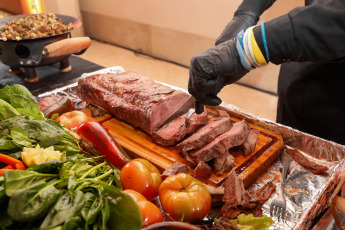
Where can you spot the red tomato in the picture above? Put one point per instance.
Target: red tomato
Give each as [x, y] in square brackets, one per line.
[149, 212]
[141, 176]
[72, 120]
[184, 198]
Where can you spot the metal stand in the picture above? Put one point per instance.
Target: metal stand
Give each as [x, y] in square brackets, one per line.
[65, 66]
[30, 75]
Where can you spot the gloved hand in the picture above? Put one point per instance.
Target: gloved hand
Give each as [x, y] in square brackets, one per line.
[212, 69]
[247, 15]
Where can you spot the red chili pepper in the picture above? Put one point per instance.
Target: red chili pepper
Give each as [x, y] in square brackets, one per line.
[104, 143]
[12, 163]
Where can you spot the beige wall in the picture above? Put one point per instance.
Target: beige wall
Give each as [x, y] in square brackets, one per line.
[66, 7]
[173, 30]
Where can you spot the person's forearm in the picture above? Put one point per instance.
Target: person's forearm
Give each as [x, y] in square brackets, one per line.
[311, 33]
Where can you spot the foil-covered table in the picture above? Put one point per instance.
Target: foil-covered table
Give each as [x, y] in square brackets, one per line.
[307, 194]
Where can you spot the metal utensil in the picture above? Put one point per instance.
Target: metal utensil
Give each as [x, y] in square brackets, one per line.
[182, 109]
[278, 204]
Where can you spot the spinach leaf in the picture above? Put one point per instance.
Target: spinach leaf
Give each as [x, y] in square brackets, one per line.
[33, 202]
[20, 137]
[67, 206]
[52, 166]
[73, 223]
[20, 179]
[105, 213]
[124, 211]
[92, 207]
[24, 112]
[6, 144]
[19, 101]
[6, 110]
[21, 90]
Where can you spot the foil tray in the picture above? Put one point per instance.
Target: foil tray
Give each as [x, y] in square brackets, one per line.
[307, 194]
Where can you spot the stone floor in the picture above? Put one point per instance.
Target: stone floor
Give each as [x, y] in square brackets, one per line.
[259, 103]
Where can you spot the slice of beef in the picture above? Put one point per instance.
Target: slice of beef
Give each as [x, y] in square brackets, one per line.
[234, 137]
[55, 104]
[222, 113]
[132, 97]
[234, 192]
[202, 170]
[313, 164]
[262, 194]
[176, 130]
[174, 169]
[206, 134]
[224, 163]
[249, 144]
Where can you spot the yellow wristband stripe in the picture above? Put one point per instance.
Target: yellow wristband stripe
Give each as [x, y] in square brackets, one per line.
[256, 50]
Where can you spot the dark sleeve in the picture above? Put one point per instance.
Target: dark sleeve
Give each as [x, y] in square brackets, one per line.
[311, 33]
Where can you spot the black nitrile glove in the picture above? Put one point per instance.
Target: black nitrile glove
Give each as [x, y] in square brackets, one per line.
[247, 15]
[212, 69]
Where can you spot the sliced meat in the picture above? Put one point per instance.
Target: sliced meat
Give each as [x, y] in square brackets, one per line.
[234, 192]
[249, 144]
[55, 104]
[222, 113]
[313, 164]
[234, 137]
[224, 163]
[174, 169]
[132, 97]
[206, 134]
[176, 130]
[262, 194]
[202, 170]
[196, 121]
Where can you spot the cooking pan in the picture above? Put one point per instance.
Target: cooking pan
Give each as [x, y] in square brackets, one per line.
[29, 53]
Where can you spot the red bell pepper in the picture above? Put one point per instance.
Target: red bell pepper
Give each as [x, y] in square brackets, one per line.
[104, 143]
[11, 162]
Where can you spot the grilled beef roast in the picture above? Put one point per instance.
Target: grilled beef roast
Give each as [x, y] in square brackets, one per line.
[206, 134]
[132, 97]
[234, 137]
[176, 130]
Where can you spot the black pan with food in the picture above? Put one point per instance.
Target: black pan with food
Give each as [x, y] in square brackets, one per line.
[26, 54]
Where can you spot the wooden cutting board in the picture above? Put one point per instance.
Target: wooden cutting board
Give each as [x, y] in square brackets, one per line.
[139, 144]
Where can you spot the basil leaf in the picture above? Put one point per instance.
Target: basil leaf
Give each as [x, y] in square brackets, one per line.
[32, 203]
[124, 211]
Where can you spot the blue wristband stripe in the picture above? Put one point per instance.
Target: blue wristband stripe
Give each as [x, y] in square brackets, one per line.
[264, 40]
[242, 56]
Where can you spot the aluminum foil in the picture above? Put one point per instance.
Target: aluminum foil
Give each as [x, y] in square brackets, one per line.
[307, 194]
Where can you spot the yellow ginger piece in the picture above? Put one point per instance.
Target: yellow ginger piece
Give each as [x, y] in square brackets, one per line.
[37, 155]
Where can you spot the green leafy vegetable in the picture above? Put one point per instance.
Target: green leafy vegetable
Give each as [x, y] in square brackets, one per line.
[124, 212]
[20, 179]
[20, 137]
[33, 202]
[6, 110]
[67, 206]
